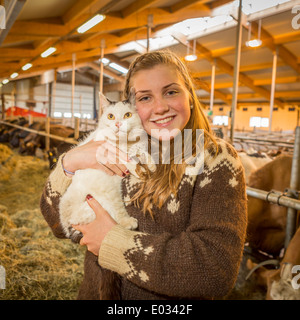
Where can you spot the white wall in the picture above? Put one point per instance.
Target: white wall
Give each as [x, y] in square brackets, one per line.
[62, 99]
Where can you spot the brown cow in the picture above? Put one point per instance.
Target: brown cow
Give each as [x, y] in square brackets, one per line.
[252, 162]
[266, 221]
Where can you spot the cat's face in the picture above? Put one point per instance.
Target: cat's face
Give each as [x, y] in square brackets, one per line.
[120, 117]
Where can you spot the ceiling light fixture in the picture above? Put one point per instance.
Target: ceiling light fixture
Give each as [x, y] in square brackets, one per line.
[191, 57]
[105, 61]
[26, 66]
[118, 67]
[48, 52]
[14, 75]
[91, 23]
[5, 81]
[254, 43]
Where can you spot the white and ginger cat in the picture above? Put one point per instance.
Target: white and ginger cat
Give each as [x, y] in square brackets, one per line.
[121, 126]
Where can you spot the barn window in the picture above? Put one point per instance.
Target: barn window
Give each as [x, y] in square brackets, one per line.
[220, 120]
[264, 122]
[57, 114]
[220, 109]
[68, 115]
[292, 109]
[245, 109]
[258, 109]
[259, 122]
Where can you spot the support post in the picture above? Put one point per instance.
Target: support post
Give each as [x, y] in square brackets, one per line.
[274, 69]
[76, 128]
[149, 26]
[73, 86]
[212, 87]
[53, 94]
[236, 70]
[291, 218]
[3, 106]
[47, 130]
[102, 46]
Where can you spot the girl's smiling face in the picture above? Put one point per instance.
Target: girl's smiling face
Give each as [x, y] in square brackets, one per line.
[162, 101]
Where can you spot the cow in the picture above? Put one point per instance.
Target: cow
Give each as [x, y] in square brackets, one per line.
[56, 151]
[7, 132]
[30, 140]
[252, 161]
[282, 283]
[34, 141]
[267, 221]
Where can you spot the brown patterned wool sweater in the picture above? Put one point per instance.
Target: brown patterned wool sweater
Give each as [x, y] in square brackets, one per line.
[191, 249]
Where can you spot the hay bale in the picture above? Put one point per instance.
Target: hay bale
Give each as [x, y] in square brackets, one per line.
[21, 180]
[5, 221]
[38, 265]
[5, 153]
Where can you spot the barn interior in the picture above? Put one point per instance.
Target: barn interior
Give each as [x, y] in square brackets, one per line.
[56, 56]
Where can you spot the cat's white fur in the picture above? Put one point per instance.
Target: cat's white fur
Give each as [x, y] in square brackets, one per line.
[104, 188]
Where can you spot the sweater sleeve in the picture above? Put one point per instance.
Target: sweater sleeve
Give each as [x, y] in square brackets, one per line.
[54, 188]
[201, 262]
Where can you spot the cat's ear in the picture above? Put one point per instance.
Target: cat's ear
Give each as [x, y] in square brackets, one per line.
[103, 101]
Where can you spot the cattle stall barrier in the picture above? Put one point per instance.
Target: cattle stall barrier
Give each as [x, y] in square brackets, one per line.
[290, 197]
[46, 133]
[275, 197]
[264, 142]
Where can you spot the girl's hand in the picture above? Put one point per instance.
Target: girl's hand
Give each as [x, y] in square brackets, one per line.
[97, 155]
[95, 231]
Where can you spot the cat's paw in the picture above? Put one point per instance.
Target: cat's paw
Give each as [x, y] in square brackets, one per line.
[129, 223]
[75, 235]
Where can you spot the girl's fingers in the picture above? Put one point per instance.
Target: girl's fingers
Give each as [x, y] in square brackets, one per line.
[106, 169]
[120, 156]
[108, 156]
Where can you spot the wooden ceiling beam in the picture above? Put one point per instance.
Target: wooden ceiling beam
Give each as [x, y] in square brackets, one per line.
[289, 58]
[259, 82]
[16, 53]
[40, 69]
[136, 7]
[34, 28]
[183, 4]
[249, 96]
[218, 3]
[80, 7]
[200, 84]
[251, 67]
[107, 72]
[287, 37]
[227, 68]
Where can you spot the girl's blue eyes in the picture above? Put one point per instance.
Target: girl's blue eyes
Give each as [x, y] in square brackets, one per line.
[172, 92]
[144, 98]
[168, 93]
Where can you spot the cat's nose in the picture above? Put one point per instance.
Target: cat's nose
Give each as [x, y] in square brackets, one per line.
[118, 124]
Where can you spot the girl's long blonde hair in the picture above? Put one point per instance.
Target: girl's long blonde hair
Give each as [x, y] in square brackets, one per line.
[157, 186]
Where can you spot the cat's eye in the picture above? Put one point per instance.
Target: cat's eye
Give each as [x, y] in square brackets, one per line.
[127, 115]
[110, 116]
